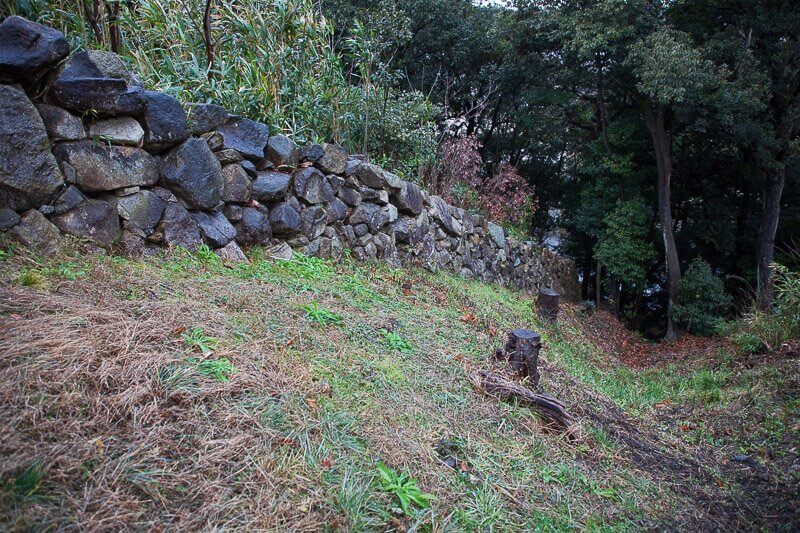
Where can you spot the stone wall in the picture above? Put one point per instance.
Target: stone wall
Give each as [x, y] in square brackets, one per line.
[86, 150]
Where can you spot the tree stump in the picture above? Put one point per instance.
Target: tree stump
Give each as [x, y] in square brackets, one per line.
[547, 302]
[522, 351]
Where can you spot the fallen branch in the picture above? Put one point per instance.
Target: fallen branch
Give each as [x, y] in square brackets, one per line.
[547, 407]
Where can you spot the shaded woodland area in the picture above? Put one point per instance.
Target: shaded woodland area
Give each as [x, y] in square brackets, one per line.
[658, 139]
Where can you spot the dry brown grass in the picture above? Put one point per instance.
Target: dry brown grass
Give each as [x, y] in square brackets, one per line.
[95, 383]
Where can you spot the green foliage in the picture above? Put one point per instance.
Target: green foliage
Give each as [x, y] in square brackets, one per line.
[669, 69]
[219, 369]
[624, 247]
[702, 299]
[405, 488]
[30, 278]
[196, 339]
[759, 330]
[320, 315]
[28, 482]
[395, 342]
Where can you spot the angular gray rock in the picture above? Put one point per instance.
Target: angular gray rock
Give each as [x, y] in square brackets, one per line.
[271, 186]
[336, 182]
[214, 140]
[203, 118]
[236, 184]
[497, 234]
[311, 152]
[350, 196]
[282, 151]
[8, 219]
[193, 173]
[253, 227]
[29, 175]
[95, 220]
[37, 233]
[69, 199]
[313, 221]
[311, 185]
[228, 155]
[99, 167]
[285, 220]
[337, 210]
[61, 125]
[177, 228]
[98, 81]
[333, 159]
[441, 213]
[250, 168]
[164, 122]
[29, 50]
[231, 253]
[247, 137]
[409, 199]
[141, 210]
[375, 177]
[117, 130]
[215, 228]
[370, 214]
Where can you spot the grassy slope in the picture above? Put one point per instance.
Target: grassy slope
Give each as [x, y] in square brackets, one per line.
[112, 415]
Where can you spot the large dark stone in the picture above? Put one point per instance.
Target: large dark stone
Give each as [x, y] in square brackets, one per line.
[164, 122]
[141, 210]
[236, 184]
[206, 117]
[216, 229]
[350, 196]
[99, 167]
[370, 214]
[94, 220]
[285, 220]
[333, 159]
[8, 219]
[409, 199]
[253, 227]
[313, 220]
[282, 151]
[67, 200]
[192, 171]
[98, 81]
[337, 210]
[245, 136]
[61, 125]
[29, 175]
[311, 152]
[177, 228]
[441, 213]
[310, 185]
[28, 50]
[37, 233]
[375, 177]
[271, 186]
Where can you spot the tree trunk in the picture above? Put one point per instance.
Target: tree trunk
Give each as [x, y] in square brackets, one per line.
[662, 145]
[772, 182]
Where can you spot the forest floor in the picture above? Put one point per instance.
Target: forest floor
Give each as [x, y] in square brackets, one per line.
[180, 393]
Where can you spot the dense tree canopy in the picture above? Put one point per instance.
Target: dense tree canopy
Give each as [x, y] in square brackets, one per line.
[657, 133]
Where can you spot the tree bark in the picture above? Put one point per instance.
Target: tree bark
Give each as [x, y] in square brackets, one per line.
[655, 120]
[772, 182]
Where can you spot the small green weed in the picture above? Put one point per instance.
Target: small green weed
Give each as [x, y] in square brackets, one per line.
[196, 339]
[219, 369]
[30, 278]
[393, 341]
[207, 256]
[320, 315]
[405, 488]
[28, 482]
[70, 270]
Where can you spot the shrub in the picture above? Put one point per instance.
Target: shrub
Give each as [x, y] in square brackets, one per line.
[701, 301]
[759, 330]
